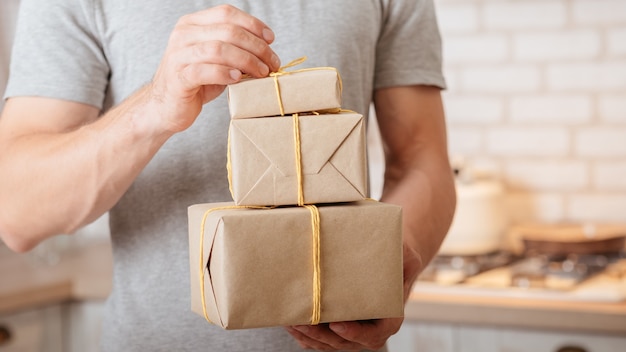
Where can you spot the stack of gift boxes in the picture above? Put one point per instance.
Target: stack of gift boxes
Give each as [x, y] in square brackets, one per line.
[301, 243]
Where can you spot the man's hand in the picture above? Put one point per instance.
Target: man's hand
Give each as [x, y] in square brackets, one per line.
[355, 335]
[208, 50]
[102, 155]
[418, 178]
[347, 336]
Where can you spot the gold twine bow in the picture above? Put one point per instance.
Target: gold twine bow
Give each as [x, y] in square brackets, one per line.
[282, 71]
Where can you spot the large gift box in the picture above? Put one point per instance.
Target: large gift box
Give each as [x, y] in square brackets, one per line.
[280, 161]
[310, 89]
[268, 267]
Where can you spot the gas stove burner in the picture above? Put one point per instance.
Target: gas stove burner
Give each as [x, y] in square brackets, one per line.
[452, 269]
[562, 272]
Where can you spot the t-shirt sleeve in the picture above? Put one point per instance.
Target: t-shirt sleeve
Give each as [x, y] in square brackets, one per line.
[56, 53]
[409, 46]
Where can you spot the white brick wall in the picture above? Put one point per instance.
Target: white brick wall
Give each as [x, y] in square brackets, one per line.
[537, 95]
[465, 141]
[613, 108]
[616, 42]
[601, 142]
[531, 207]
[587, 76]
[599, 12]
[610, 176]
[547, 175]
[559, 45]
[522, 142]
[551, 109]
[457, 17]
[498, 79]
[476, 48]
[609, 207]
[528, 14]
[473, 109]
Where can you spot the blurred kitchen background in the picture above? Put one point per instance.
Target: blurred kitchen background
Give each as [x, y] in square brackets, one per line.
[536, 111]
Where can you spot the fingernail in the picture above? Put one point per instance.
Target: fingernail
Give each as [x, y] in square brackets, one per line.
[263, 69]
[235, 74]
[275, 61]
[338, 327]
[268, 35]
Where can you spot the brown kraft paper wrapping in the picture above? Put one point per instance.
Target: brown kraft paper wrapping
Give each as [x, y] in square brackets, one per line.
[333, 159]
[259, 267]
[300, 91]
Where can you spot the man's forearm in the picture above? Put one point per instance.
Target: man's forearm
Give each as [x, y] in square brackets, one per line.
[53, 182]
[418, 175]
[426, 192]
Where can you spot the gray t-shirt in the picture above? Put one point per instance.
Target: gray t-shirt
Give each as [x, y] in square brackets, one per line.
[99, 52]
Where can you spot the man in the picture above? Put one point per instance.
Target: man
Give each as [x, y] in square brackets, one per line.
[105, 113]
[8, 11]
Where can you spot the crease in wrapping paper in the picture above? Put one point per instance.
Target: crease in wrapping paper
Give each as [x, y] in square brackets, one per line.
[202, 258]
[332, 153]
[260, 264]
[202, 275]
[310, 89]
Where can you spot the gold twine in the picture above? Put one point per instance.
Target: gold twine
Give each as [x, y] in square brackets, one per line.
[315, 226]
[315, 215]
[317, 278]
[229, 168]
[298, 158]
[202, 228]
[282, 71]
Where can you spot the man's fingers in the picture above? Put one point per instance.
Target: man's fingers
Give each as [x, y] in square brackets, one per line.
[207, 43]
[307, 342]
[412, 266]
[371, 334]
[246, 41]
[206, 51]
[320, 336]
[230, 14]
[222, 54]
[208, 74]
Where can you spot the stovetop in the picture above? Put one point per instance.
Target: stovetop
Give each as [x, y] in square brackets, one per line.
[578, 277]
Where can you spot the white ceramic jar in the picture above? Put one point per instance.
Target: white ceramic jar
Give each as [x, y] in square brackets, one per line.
[480, 220]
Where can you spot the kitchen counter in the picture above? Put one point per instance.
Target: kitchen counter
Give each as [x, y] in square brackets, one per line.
[85, 274]
[591, 317]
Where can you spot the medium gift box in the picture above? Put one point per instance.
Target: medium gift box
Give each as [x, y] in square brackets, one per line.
[295, 265]
[300, 159]
[311, 89]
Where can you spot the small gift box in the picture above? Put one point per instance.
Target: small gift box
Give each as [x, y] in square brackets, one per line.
[285, 93]
[295, 265]
[298, 159]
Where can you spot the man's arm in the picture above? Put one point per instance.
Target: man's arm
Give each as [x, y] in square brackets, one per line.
[417, 177]
[62, 167]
